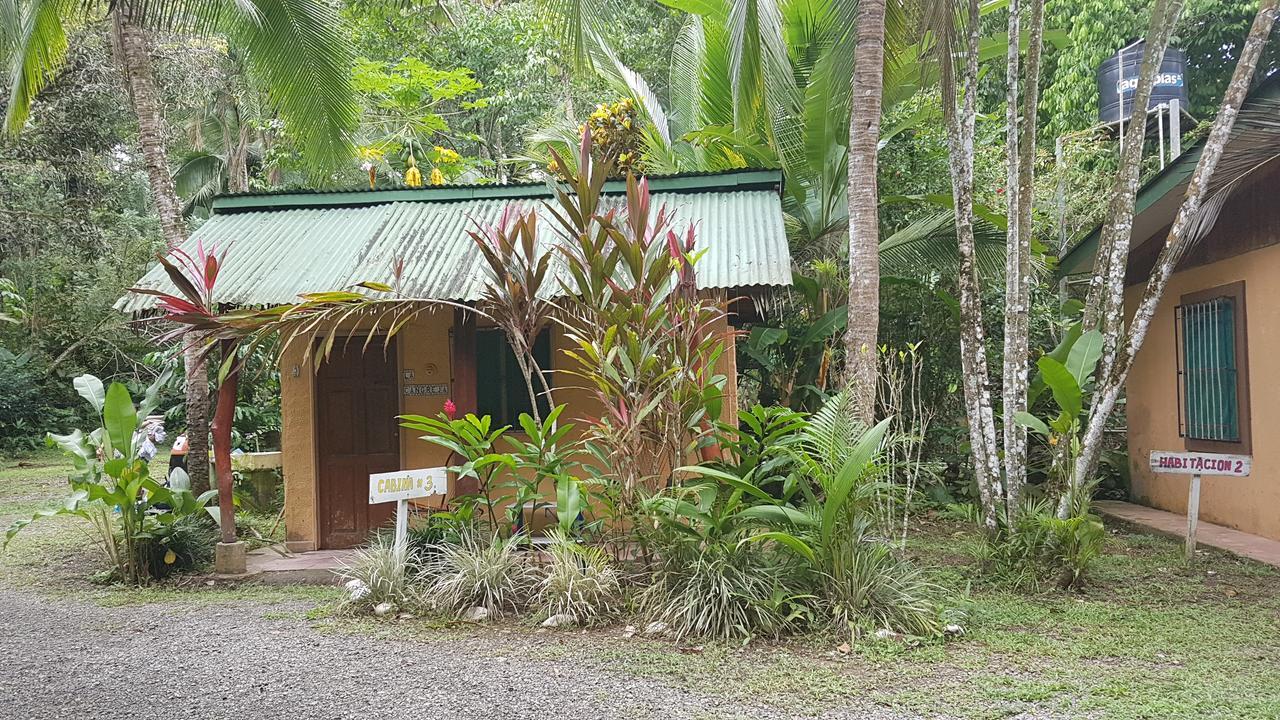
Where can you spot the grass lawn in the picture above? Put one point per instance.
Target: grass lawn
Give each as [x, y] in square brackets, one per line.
[1148, 637]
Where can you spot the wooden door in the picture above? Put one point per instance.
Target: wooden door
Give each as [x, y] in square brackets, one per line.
[357, 434]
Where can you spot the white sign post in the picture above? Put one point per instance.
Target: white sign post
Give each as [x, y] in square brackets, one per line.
[402, 486]
[1196, 464]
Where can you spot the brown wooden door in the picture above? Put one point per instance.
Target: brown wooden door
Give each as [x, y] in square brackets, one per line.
[357, 434]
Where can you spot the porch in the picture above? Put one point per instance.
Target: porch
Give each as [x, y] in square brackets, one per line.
[1254, 547]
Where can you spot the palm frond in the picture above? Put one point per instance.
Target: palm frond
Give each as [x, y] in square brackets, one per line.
[576, 25]
[831, 431]
[200, 177]
[928, 246]
[304, 60]
[688, 57]
[33, 45]
[629, 82]
[1254, 144]
[826, 108]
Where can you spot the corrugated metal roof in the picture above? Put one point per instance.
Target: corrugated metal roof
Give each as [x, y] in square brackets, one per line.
[273, 255]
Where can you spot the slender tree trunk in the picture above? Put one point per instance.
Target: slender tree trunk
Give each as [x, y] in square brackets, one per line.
[1104, 309]
[135, 66]
[1020, 192]
[861, 357]
[238, 158]
[973, 354]
[1176, 243]
[1014, 392]
[223, 419]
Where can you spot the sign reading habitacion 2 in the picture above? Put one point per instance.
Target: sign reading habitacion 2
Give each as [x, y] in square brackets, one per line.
[1198, 463]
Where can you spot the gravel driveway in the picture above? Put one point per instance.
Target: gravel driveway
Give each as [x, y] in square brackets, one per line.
[70, 659]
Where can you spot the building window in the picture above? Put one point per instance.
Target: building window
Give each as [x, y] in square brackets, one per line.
[500, 389]
[1213, 377]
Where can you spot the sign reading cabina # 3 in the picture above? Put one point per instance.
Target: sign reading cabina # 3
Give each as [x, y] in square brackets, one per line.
[407, 484]
[1198, 463]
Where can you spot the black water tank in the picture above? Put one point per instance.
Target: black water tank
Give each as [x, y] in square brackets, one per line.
[1118, 79]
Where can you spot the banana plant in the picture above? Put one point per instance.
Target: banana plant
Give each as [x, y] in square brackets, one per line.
[111, 487]
[1066, 373]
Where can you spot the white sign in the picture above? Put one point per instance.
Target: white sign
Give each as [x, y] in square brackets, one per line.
[1196, 464]
[1201, 463]
[407, 484]
[402, 486]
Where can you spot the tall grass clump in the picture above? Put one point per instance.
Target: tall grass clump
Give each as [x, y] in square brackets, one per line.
[379, 573]
[722, 591]
[578, 581]
[485, 572]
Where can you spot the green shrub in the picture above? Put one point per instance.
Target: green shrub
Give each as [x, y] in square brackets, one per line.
[184, 546]
[26, 412]
[1072, 545]
[489, 573]
[721, 591]
[876, 589]
[577, 581]
[1039, 546]
[378, 573]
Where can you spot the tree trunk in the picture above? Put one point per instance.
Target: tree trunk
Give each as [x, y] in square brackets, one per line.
[861, 357]
[973, 354]
[135, 65]
[238, 158]
[1176, 243]
[223, 419]
[1017, 245]
[1104, 308]
[1020, 192]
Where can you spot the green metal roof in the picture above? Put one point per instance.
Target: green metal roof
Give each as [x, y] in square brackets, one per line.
[1160, 197]
[280, 245]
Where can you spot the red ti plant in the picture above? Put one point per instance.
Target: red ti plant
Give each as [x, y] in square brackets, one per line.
[194, 309]
[642, 339]
[514, 296]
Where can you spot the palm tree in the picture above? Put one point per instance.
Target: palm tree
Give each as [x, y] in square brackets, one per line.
[293, 47]
[765, 83]
[860, 355]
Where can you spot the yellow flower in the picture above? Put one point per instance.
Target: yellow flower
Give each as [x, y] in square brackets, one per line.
[170, 557]
[437, 177]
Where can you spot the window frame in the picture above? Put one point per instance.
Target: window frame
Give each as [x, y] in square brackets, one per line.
[513, 377]
[1234, 291]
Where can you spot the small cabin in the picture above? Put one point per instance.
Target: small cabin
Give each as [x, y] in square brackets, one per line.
[339, 415]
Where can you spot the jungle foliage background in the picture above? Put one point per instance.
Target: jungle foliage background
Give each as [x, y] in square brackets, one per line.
[477, 90]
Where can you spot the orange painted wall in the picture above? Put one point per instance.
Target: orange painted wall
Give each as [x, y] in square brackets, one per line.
[423, 347]
[1250, 504]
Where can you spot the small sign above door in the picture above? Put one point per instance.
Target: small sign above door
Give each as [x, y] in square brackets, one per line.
[440, 389]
